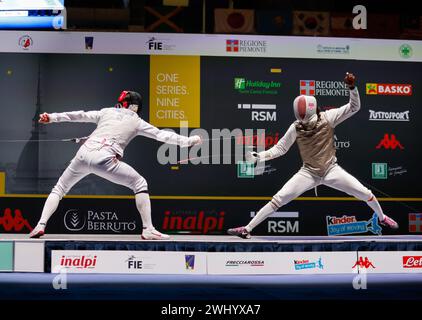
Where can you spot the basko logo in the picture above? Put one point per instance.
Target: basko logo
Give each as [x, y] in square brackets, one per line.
[96, 221]
[246, 86]
[307, 264]
[250, 263]
[323, 88]
[79, 262]
[389, 89]
[257, 46]
[260, 112]
[388, 116]
[412, 262]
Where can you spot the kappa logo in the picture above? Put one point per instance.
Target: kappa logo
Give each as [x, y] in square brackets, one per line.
[363, 263]
[390, 142]
[14, 222]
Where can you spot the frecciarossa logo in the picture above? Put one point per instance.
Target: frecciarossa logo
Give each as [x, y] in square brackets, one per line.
[389, 89]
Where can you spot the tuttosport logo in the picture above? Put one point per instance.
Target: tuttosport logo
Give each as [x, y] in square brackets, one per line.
[412, 262]
[96, 221]
[323, 88]
[14, 222]
[389, 89]
[307, 264]
[250, 263]
[350, 225]
[194, 222]
[79, 262]
[388, 116]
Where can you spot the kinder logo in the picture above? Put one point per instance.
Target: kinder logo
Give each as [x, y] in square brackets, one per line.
[194, 222]
[307, 264]
[79, 262]
[388, 116]
[250, 263]
[14, 222]
[350, 225]
[25, 42]
[389, 89]
[412, 262]
[323, 88]
[390, 142]
[363, 263]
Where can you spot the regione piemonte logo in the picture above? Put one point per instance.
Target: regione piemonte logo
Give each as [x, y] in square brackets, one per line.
[232, 45]
[389, 89]
[307, 87]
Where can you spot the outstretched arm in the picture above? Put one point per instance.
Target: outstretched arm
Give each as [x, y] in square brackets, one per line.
[280, 148]
[338, 115]
[73, 116]
[148, 130]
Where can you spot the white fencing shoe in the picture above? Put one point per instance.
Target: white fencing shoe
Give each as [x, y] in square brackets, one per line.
[152, 234]
[38, 231]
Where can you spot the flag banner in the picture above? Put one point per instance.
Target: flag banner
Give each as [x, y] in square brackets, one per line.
[234, 21]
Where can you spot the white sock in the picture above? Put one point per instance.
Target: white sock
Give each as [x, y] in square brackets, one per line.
[374, 204]
[261, 216]
[144, 207]
[50, 206]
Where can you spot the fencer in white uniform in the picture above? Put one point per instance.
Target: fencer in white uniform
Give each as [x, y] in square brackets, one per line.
[102, 152]
[313, 131]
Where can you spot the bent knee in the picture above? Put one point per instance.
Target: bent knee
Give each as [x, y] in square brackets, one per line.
[139, 185]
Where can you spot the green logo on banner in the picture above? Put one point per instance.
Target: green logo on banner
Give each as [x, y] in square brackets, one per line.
[245, 169]
[6, 256]
[405, 51]
[379, 171]
[246, 86]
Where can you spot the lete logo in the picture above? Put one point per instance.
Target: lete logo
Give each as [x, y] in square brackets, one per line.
[73, 221]
[14, 223]
[412, 262]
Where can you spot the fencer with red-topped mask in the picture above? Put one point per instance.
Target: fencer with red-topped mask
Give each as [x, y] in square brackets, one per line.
[102, 152]
[313, 131]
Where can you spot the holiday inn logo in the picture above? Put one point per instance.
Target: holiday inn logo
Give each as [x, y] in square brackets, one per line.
[247, 86]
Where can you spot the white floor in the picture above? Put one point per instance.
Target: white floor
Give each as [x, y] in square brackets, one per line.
[205, 238]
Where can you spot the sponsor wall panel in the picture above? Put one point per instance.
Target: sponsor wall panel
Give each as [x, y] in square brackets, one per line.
[280, 262]
[389, 262]
[6, 256]
[29, 256]
[153, 262]
[196, 217]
